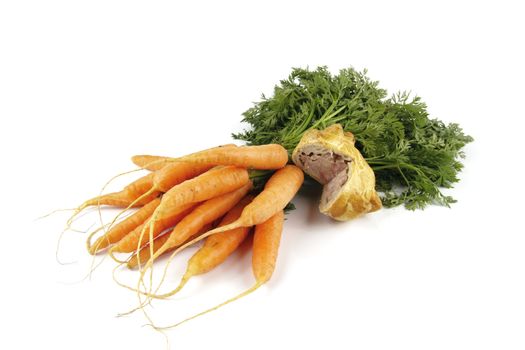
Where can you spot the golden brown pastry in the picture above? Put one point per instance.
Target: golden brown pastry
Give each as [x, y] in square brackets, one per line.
[330, 157]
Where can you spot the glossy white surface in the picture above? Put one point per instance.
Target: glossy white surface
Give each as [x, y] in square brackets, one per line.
[85, 86]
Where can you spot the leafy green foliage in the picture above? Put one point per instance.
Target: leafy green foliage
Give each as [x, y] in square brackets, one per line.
[411, 154]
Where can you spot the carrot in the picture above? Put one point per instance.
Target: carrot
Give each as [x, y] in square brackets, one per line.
[205, 213]
[217, 248]
[277, 193]
[270, 156]
[161, 180]
[169, 176]
[128, 196]
[213, 183]
[158, 162]
[266, 243]
[123, 228]
[175, 173]
[130, 242]
[135, 194]
[148, 162]
[146, 188]
[144, 253]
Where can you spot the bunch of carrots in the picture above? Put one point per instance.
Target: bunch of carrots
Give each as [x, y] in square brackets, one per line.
[181, 199]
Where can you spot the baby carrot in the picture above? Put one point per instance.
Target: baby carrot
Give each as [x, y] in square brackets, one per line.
[213, 183]
[144, 253]
[185, 187]
[158, 162]
[216, 248]
[123, 228]
[277, 193]
[205, 213]
[271, 156]
[175, 173]
[127, 196]
[169, 176]
[148, 162]
[266, 243]
[130, 242]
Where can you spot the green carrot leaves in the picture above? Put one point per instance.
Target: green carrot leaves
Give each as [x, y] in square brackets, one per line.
[411, 154]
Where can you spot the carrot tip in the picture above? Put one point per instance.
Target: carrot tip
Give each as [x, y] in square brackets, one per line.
[111, 253]
[181, 285]
[54, 212]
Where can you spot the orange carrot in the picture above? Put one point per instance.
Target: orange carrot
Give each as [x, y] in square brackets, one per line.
[205, 213]
[266, 242]
[173, 174]
[158, 162]
[148, 162]
[213, 183]
[146, 188]
[130, 242]
[210, 210]
[144, 255]
[159, 241]
[145, 252]
[160, 181]
[270, 156]
[127, 196]
[123, 228]
[137, 193]
[169, 176]
[277, 193]
[217, 248]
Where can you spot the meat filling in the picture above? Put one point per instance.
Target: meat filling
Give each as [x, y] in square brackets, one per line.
[327, 167]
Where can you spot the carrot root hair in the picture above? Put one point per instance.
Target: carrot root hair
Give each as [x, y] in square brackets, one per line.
[115, 279]
[59, 241]
[150, 294]
[54, 212]
[133, 203]
[57, 250]
[182, 283]
[153, 256]
[89, 245]
[235, 298]
[77, 211]
[111, 253]
[90, 202]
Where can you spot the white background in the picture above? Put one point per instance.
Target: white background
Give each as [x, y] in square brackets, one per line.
[86, 85]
